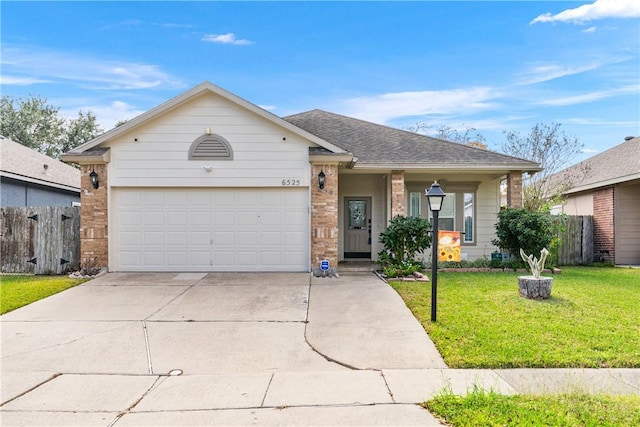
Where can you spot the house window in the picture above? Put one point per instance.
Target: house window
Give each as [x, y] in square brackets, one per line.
[447, 215]
[468, 209]
[414, 204]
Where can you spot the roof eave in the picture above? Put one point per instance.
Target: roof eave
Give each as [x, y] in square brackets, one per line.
[339, 157]
[87, 158]
[448, 166]
[31, 180]
[605, 183]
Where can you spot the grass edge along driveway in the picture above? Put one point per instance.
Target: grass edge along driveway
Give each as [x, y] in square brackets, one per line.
[19, 290]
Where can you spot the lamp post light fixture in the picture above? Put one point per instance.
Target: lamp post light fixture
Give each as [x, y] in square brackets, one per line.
[93, 176]
[435, 196]
[321, 178]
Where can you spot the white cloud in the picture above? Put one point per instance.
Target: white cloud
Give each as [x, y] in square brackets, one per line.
[590, 150]
[83, 70]
[267, 107]
[590, 97]
[389, 106]
[600, 9]
[20, 81]
[590, 30]
[540, 72]
[228, 38]
[107, 115]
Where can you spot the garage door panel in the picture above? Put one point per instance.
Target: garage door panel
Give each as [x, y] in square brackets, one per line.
[178, 238]
[211, 230]
[199, 238]
[153, 238]
[199, 218]
[152, 218]
[200, 258]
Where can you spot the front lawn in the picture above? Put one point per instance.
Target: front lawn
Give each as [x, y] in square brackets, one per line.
[18, 291]
[591, 319]
[491, 409]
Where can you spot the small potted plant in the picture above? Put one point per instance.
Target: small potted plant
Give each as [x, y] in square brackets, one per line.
[534, 286]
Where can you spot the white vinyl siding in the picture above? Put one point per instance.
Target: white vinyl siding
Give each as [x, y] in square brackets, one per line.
[210, 229]
[627, 224]
[156, 154]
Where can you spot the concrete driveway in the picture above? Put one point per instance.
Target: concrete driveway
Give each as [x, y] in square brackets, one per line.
[215, 349]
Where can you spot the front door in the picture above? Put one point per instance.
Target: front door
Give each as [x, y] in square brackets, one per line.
[357, 229]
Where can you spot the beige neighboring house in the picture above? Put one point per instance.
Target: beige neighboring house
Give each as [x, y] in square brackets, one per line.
[607, 186]
[208, 181]
[30, 178]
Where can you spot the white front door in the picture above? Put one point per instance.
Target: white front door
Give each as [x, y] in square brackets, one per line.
[357, 227]
[191, 229]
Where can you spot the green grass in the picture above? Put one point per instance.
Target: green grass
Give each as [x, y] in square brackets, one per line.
[591, 319]
[490, 409]
[18, 291]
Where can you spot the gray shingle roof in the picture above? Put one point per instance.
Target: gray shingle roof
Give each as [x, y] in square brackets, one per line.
[20, 162]
[377, 144]
[618, 164]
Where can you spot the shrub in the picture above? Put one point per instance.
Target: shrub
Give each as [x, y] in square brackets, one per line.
[406, 268]
[519, 228]
[403, 239]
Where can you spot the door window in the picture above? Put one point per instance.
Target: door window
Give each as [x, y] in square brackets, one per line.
[357, 214]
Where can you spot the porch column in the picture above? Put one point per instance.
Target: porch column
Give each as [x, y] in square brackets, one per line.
[514, 190]
[94, 218]
[397, 194]
[324, 216]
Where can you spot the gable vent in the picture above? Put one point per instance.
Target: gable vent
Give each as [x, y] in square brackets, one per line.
[210, 147]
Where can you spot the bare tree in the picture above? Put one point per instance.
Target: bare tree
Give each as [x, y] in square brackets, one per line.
[470, 136]
[548, 145]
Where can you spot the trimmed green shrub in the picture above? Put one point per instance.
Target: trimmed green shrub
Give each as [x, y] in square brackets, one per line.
[403, 239]
[521, 228]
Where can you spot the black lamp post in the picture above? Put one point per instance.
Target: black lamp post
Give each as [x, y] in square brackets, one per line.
[435, 196]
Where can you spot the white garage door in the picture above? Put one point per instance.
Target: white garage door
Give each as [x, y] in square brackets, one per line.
[210, 230]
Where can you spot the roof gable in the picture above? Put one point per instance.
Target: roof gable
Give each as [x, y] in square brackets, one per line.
[186, 97]
[23, 163]
[375, 144]
[617, 164]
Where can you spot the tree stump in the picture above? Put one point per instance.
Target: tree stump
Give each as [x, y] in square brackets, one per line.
[533, 288]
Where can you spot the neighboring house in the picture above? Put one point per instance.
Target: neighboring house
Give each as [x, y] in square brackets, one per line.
[30, 178]
[607, 186]
[208, 181]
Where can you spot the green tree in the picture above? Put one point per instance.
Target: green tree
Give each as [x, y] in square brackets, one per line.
[35, 123]
[548, 145]
[520, 228]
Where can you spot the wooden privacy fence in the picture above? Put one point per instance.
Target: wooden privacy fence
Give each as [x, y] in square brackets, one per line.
[576, 242]
[40, 240]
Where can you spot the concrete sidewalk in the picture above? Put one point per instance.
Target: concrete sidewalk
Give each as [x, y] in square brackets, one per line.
[240, 349]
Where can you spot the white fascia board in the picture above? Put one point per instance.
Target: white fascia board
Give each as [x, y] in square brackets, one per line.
[604, 183]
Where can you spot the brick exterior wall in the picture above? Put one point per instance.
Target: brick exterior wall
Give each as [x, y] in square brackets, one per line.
[604, 225]
[324, 215]
[94, 218]
[397, 194]
[514, 190]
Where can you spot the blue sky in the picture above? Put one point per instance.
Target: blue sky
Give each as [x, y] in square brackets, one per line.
[489, 65]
